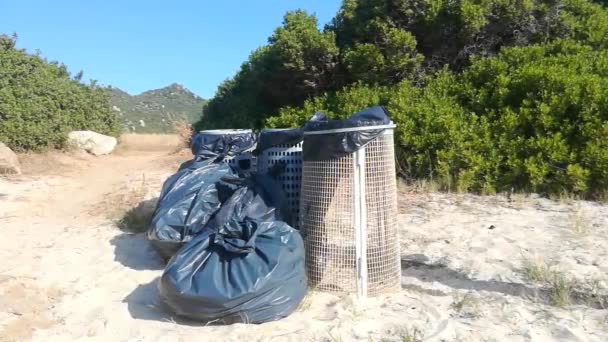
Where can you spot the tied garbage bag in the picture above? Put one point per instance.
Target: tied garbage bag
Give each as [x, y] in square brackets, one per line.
[254, 196]
[189, 198]
[254, 275]
[187, 201]
[245, 266]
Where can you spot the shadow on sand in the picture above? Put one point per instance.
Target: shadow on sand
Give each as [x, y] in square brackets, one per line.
[418, 266]
[136, 252]
[144, 303]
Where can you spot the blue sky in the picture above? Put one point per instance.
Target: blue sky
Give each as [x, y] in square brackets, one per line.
[138, 45]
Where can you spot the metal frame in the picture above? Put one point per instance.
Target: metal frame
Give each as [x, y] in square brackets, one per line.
[364, 258]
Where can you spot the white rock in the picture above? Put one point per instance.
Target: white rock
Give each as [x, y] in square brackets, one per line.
[116, 109]
[142, 123]
[92, 142]
[9, 164]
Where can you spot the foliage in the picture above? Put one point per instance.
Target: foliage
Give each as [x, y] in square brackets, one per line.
[391, 57]
[488, 95]
[450, 32]
[384, 42]
[158, 109]
[40, 103]
[532, 118]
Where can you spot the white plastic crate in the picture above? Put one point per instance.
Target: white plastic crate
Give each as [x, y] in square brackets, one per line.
[245, 161]
[349, 218]
[290, 180]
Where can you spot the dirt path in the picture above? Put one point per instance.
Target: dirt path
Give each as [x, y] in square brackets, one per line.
[58, 236]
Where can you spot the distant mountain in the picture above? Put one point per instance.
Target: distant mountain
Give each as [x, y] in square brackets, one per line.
[154, 111]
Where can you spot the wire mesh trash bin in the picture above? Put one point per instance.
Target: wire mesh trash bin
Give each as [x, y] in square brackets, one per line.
[284, 146]
[243, 161]
[349, 205]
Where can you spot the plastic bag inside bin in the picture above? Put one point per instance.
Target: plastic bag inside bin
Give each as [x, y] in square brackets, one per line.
[273, 138]
[246, 266]
[189, 198]
[224, 145]
[338, 144]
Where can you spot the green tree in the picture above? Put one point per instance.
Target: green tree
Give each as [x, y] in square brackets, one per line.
[532, 118]
[297, 63]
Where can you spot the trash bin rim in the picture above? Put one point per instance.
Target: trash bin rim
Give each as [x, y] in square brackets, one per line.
[351, 129]
[278, 129]
[226, 131]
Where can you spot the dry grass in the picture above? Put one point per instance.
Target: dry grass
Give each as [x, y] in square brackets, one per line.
[559, 285]
[149, 142]
[128, 209]
[560, 289]
[404, 334]
[183, 130]
[418, 186]
[466, 305]
[567, 198]
[137, 219]
[53, 163]
[580, 223]
[536, 270]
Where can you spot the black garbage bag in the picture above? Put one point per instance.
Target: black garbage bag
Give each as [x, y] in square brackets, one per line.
[224, 145]
[245, 266]
[335, 145]
[187, 201]
[189, 198]
[255, 196]
[276, 137]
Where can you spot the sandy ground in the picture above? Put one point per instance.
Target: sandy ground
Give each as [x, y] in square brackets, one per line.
[69, 274]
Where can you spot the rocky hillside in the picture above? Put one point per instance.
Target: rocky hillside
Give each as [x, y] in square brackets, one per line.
[154, 111]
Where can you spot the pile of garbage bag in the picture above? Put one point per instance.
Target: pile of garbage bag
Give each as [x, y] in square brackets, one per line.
[189, 198]
[247, 266]
[231, 255]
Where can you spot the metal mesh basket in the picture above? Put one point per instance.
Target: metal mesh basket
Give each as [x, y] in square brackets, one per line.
[350, 225]
[243, 161]
[290, 180]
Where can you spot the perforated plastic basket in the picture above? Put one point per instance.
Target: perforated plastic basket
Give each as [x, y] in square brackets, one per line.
[291, 156]
[349, 218]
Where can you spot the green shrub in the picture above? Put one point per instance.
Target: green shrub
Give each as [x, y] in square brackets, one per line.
[547, 107]
[385, 42]
[40, 103]
[530, 119]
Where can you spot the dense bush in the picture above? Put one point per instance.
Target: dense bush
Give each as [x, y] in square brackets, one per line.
[450, 32]
[489, 95]
[532, 118]
[40, 103]
[383, 42]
